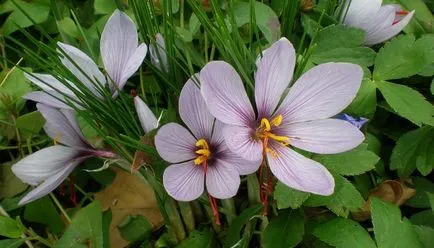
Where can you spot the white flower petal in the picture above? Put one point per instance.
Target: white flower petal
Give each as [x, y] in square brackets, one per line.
[147, 119]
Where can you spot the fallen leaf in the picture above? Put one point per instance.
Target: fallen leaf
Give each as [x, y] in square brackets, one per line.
[128, 195]
[392, 191]
[140, 157]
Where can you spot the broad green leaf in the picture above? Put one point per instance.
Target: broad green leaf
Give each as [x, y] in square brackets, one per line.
[399, 58]
[43, 211]
[391, 230]
[422, 186]
[426, 46]
[198, 238]
[234, 231]
[104, 6]
[365, 103]
[14, 84]
[106, 220]
[10, 228]
[414, 149]
[424, 218]
[11, 243]
[68, 26]
[342, 201]
[194, 24]
[354, 162]
[134, 228]
[431, 200]
[30, 123]
[86, 228]
[37, 11]
[339, 36]
[266, 19]
[363, 56]
[407, 102]
[10, 185]
[285, 230]
[425, 234]
[287, 197]
[343, 233]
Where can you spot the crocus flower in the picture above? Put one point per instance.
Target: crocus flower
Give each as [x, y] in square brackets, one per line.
[147, 119]
[121, 55]
[49, 167]
[198, 154]
[355, 121]
[158, 53]
[381, 23]
[301, 120]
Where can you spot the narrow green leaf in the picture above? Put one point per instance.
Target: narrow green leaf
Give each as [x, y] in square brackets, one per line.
[387, 220]
[407, 102]
[234, 231]
[343, 233]
[287, 197]
[285, 230]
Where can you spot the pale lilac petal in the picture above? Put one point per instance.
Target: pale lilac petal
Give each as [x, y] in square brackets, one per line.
[218, 138]
[185, 181]
[244, 167]
[222, 180]
[51, 183]
[225, 95]
[118, 42]
[49, 83]
[274, 73]
[388, 32]
[322, 92]
[47, 99]
[158, 53]
[193, 111]
[240, 141]
[327, 136]
[147, 119]
[62, 126]
[133, 64]
[299, 172]
[175, 144]
[360, 12]
[44, 163]
[79, 63]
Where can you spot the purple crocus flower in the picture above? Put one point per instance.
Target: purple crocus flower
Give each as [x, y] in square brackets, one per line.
[302, 119]
[49, 167]
[198, 154]
[158, 53]
[121, 55]
[147, 119]
[357, 122]
[381, 23]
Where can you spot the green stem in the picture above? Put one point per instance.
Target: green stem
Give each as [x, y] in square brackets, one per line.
[175, 218]
[187, 215]
[230, 211]
[253, 189]
[197, 212]
[60, 207]
[16, 147]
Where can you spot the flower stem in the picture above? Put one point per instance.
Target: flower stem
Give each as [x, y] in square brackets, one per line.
[187, 215]
[230, 210]
[253, 189]
[53, 197]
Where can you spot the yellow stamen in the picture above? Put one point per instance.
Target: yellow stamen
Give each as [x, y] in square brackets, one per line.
[265, 125]
[204, 152]
[281, 139]
[277, 121]
[264, 133]
[56, 139]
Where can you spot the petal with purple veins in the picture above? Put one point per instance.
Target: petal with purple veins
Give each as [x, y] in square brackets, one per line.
[222, 180]
[185, 181]
[175, 143]
[299, 172]
[274, 73]
[194, 113]
[240, 140]
[224, 94]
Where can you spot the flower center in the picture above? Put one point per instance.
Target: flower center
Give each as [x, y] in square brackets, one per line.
[203, 152]
[264, 133]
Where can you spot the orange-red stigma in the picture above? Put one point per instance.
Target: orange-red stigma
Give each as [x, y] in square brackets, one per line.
[204, 153]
